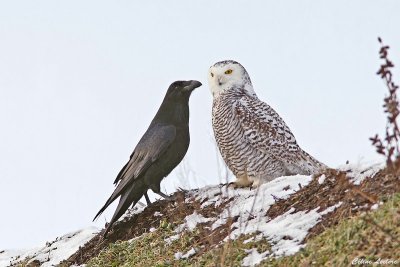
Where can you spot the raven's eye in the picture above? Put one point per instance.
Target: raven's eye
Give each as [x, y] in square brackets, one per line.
[212, 74]
[228, 71]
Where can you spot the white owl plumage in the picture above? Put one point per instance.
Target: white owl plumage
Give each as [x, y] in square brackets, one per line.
[254, 141]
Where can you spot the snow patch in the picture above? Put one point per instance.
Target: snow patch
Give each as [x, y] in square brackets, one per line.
[52, 253]
[321, 179]
[253, 239]
[191, 222]
[9, 256]
[357, 172]
[285, 233]
[331, 208]
[247, 203]
[376, 206]
[180, 255]
[254, 257]
[134, 210]
[171, 239]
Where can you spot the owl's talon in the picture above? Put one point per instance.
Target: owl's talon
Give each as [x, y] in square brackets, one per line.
[239, 184]
[232, 185]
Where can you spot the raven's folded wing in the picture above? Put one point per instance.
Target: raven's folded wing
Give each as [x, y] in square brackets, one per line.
[151, 146]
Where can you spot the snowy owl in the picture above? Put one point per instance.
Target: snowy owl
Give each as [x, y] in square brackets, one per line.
[254, 141]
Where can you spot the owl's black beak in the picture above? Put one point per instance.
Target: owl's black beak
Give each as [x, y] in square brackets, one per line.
[220, 81]
[193, 84]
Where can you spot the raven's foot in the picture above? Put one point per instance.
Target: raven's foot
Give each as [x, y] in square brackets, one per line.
[169, 198]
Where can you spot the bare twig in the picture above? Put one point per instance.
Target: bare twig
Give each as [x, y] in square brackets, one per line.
[389, 146]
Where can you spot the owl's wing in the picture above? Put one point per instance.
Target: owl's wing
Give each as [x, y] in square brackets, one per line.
[264, 128]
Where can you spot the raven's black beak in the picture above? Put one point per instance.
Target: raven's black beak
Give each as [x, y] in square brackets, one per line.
[191, 85]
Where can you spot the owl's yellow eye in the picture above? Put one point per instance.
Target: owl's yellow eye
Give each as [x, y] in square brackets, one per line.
[212, 74]
[228, 71]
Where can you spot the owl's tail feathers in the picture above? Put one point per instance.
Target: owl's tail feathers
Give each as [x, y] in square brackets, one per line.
[310, 165]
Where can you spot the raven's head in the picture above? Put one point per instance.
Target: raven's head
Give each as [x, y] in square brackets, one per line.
[175, 106]
[182, 89]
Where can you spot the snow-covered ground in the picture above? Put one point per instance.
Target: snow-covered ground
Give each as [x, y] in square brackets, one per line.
[285, 233]
[51, 253]
[250, 206]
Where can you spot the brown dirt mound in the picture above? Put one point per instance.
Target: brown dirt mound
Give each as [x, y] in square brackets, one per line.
[335, 188]
[138, 224]
[338, 188]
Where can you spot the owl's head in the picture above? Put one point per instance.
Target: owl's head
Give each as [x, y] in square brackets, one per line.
[228, 75]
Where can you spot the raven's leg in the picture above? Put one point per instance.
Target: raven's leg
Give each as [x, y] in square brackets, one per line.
[169, 198]
[162, 195]
[147, 199]
[156, 189]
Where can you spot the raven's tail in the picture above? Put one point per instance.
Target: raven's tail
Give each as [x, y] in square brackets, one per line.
[123, 186]
[130, 196]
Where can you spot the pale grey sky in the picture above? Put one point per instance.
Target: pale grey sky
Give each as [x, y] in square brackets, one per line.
[81, 80]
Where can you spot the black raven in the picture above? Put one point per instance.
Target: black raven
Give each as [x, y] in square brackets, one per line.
[158, 152]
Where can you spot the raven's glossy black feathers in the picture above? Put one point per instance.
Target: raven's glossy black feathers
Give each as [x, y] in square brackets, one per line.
[158, 152]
